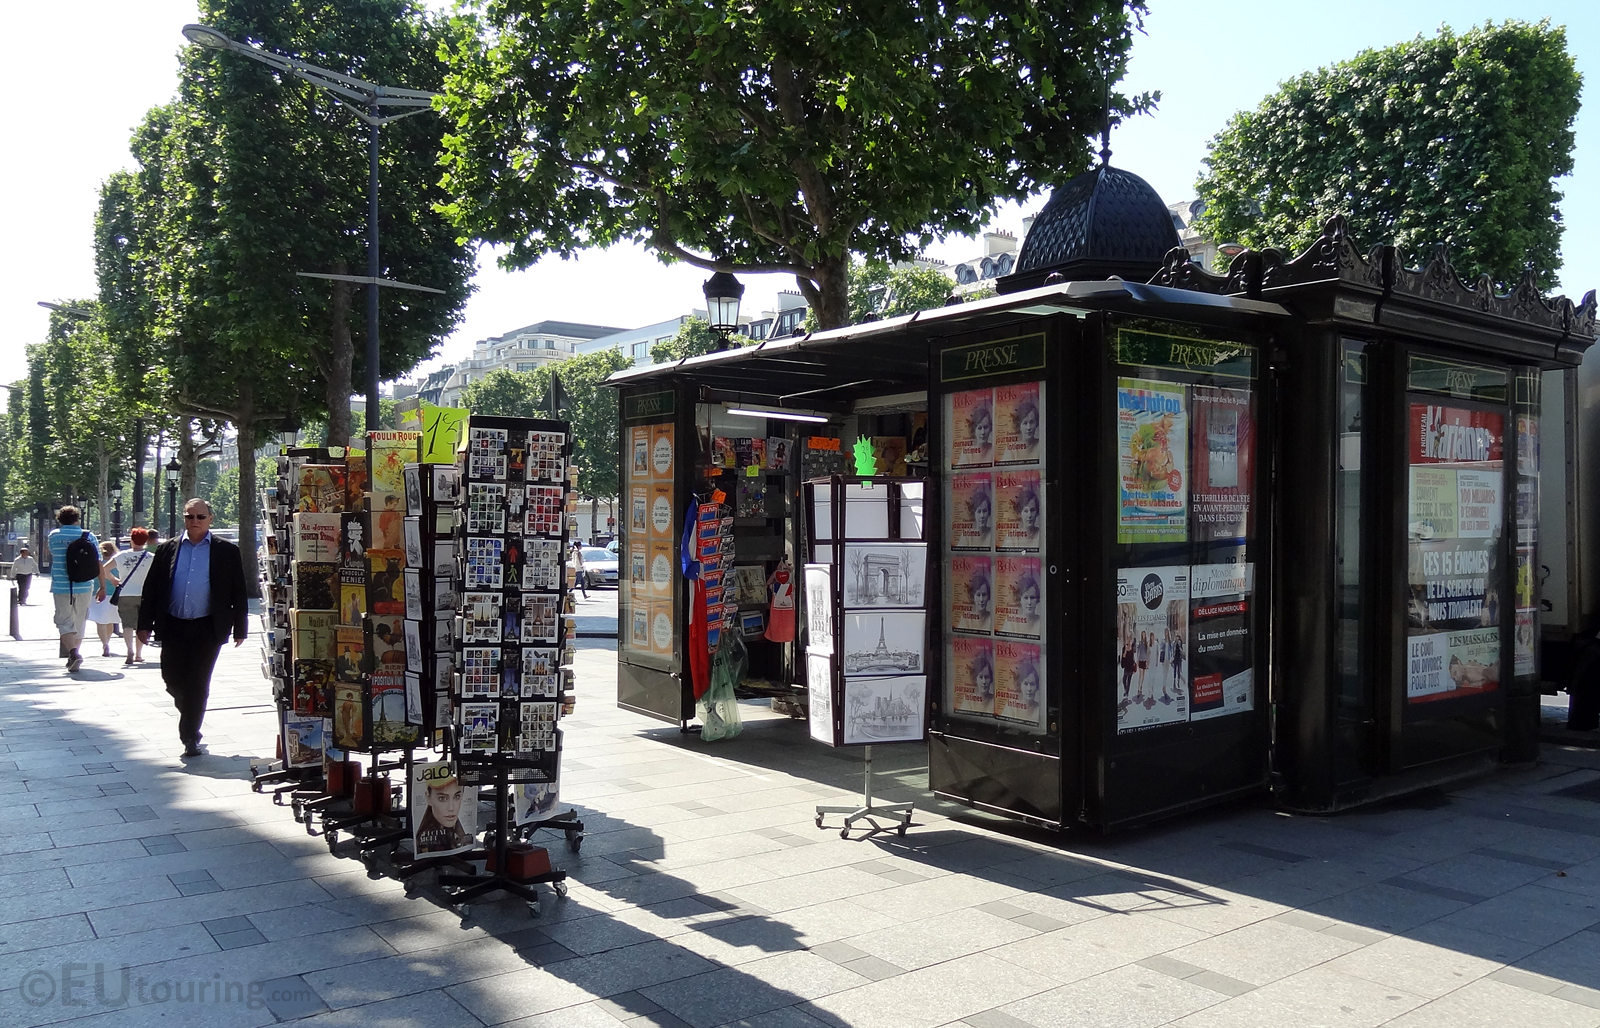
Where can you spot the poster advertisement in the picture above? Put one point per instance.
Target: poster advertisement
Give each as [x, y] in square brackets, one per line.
[1448, 665]
[1019, 428]
[1223, 463]
[970, 513]
[302, 739]
[444, 813]
[1019, 595]
[971, 594]
[1019, 680]
[660, 516]
[1431, 513]
[1152, 437]
[1525, 644]
[970, 665]
[1152, 612]
[661, 452]
[970, 419]
[1019, 510]
[639, 452]
[1213, 661]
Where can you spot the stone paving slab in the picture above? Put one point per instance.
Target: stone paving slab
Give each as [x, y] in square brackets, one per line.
[704, 895]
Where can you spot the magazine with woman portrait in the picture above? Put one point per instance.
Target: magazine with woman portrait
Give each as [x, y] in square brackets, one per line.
[1019, 425]
[969, 417]
[444, 813]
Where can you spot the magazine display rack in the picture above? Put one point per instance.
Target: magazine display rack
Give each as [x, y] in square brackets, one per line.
[513, 645]
[867, 624]
[292, 658]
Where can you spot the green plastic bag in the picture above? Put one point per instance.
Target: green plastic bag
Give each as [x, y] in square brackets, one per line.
[719, 707]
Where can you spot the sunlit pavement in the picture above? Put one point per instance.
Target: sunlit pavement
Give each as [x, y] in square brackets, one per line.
[141, 888]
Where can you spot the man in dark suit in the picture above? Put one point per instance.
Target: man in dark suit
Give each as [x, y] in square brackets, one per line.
[194, 597]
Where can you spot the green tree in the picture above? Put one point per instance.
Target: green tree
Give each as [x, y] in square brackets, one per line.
[510, 394]
[879, 290]
[1454, 140]
[694, 337]
[774, 137]
[591, 407]
[292, 184]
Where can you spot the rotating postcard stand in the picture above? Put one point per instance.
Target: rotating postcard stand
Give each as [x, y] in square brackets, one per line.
[866, 639]
[513, 638]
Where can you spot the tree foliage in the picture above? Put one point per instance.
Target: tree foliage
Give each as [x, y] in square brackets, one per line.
[774, 137]
[694, 337]
[1454, 141]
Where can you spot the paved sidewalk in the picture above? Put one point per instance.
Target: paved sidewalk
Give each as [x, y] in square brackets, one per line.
[139, 888]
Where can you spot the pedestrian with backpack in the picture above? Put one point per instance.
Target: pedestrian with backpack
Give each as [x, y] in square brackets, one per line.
[76, 580]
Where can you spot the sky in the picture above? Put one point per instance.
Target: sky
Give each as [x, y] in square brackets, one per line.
[75, 101]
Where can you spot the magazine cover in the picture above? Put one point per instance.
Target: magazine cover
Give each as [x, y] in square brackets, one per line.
[349, 650]
[1224, 463]
[1019, 514]
[662, 450]
[1152, 447]
[1018, 425]
[638, 511]
[302, 741]
[353, 539]
[1019, 679]
[970, 426]
[315, 585]
[971, 594]
[311, 635]
[389, 725]
[313, 688]
[322, 487]
[444, 813]
[778, 450]
[387, 642]
[639, 451]
[356, 480]
[970, 667]
[1019, 594]
[724, 452]
[1152, 610]
[537, 801]
[385, 585]
[970, 513]
[352, 594]
[349, 720]
[316, 535]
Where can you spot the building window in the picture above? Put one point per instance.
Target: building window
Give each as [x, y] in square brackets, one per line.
[525, 365]
[641, 352]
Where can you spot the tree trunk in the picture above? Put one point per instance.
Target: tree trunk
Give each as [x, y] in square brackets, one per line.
[187, 459]
[827, 290]
[336, 369]
[248, 545]
[103, 486]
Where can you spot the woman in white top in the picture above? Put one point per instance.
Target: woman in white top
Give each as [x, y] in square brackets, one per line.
[101, 611]
[129, 569]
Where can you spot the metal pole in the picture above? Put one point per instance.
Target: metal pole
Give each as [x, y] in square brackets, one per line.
[138, 470]
[172, 510]
[116, 520]
[373, 270]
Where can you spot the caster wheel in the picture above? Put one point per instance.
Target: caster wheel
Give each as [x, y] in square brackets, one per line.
[559, 888]
[574, 841]
[255, 786]
[819, 820]
[533, 908]
[844, 833]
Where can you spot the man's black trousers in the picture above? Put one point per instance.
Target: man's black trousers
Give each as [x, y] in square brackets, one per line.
[188, 653]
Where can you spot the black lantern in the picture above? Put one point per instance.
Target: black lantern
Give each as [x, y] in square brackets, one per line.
[174, 469]
[116, 514]
[723, 293]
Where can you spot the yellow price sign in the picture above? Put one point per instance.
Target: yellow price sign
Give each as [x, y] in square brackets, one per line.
[441, 429]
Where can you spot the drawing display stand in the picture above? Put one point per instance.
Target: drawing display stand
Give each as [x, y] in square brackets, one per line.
[867, 624]
[868, 811]
[514, 641]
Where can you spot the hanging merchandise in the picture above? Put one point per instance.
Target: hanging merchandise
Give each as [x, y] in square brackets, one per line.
[780, 614]
[719, 707]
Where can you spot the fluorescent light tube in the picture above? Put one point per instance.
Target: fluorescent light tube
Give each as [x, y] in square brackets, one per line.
[778, 415]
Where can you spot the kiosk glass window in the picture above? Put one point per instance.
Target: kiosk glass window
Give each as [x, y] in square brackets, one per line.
[1184, 427]
[994, 555]
[1525, 649]
[1455, 495]
[1355, 686]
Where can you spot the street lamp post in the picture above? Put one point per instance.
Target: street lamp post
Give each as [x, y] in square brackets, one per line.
[372, 99]
[116, 513]
[174, 469]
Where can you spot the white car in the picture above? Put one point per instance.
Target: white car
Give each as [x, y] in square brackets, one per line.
[600, 566]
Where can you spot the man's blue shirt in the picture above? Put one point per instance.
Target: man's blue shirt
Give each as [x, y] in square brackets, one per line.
[191, 579]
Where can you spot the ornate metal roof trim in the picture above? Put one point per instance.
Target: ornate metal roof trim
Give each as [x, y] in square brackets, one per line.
[1334, 255]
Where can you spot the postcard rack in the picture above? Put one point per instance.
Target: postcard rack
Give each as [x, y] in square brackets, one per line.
[867, 623]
